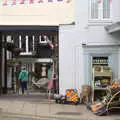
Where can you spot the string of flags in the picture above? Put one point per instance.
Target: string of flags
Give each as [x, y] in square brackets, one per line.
[17, 2]
[99, 1]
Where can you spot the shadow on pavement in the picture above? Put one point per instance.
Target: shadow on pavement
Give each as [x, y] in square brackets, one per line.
[32, 97]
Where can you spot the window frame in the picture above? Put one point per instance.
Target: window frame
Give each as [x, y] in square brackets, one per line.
[100, 13]
[26, 52]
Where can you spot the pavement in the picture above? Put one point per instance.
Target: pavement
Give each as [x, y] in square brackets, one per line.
[36, 106]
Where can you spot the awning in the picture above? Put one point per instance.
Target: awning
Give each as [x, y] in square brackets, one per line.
[28, 28]
[114, 27]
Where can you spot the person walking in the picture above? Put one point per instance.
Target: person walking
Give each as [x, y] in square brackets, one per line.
[23, 79]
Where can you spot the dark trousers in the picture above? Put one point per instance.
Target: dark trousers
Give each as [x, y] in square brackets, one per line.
[23, 86]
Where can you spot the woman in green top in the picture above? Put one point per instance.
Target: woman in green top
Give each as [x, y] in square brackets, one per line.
[23, 78]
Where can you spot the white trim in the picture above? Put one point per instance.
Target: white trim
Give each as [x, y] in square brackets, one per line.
[45, 39]
[33, 40]
[99, 22]
[26, 53]
[27, 45]
[100, 12]
[20, 45]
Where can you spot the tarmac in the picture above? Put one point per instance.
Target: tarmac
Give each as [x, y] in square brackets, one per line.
[36, 106]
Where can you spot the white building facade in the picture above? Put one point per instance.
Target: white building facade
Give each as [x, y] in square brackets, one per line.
[87, 38]
[87, 29]
[32, 26]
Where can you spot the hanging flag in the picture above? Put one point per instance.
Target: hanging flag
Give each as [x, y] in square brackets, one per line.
[13, 2]
[98, 1]
[40, 1]
[4, 2]
[68, 1]
[50, 0]
[31, 1]
[110, 1]
[22, 1]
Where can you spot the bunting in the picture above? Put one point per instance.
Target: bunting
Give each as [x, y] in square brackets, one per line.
[110, 1]
[22, 1]
[68, 1]
[31, 1]
[4, 2]
[13, 2]
[98, 1]
[16, 2]
[40, 1]
[50, 0]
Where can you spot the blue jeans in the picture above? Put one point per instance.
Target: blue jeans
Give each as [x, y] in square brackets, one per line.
[23, 86]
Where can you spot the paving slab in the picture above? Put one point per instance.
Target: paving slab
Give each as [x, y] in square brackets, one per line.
[34, 107]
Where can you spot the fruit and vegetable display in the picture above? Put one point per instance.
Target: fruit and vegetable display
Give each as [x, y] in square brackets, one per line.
[115, 83]
[102, 82]
[109, 102]
[71, 96]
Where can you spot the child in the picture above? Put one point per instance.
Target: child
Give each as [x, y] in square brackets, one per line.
[23, 79]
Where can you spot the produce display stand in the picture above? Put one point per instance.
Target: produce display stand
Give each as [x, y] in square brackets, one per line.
[113, 99]
[102, 76]
[110, 101]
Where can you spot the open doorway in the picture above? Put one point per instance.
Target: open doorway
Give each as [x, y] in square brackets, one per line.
[40, 53]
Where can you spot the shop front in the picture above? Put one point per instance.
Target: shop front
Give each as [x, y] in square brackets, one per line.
[102, 66]
[101, 56]
[34, 46]
[35, 31]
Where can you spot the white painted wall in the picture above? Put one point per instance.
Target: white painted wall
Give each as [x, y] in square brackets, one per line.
[38, 13]
[71, 39]
[116, 10]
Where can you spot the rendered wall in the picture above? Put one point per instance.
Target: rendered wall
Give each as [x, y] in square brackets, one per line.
[54, 13]
[116, 10]
[73, 72]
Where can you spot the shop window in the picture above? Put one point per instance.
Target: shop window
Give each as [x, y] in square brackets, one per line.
[23, 43]
[100, 9]
[9, 45]
[16, 41]
[42, 39]
[26, 43]
[9, 38]
[30, 43]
